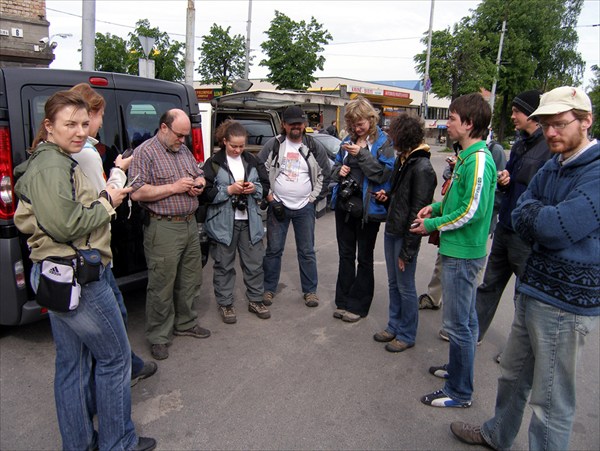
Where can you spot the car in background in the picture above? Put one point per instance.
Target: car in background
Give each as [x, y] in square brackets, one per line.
[330, 142]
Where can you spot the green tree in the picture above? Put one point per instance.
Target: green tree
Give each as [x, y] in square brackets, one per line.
[222, 57]
[111, 53]
[539, 51]
[169, 58]
[292, 50]
[594, 94]
[456, 66]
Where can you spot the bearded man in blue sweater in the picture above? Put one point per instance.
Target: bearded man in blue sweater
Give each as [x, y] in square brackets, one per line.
[558, 300]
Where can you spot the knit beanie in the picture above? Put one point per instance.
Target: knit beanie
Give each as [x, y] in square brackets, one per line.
[527, 102]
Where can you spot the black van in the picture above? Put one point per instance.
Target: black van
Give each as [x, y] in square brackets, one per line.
[133, 108]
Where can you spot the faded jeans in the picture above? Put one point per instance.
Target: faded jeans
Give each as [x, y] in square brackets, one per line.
[404, 306]
[303, 221]
[459, 283]
[95, 330]
[539, 362]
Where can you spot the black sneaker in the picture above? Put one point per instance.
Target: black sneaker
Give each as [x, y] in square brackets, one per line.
[145, 444]
[196, 332]
[148, 370]
[259, 309]
[439, 371]
[159, 351]
[228, 314]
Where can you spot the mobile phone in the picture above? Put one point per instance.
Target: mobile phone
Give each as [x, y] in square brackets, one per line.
[200, 186]
[127, 153]
[132, 181]
[414, 225]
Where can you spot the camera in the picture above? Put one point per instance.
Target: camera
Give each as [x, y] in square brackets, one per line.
[348, 187]
[239, 202]
[278, 210]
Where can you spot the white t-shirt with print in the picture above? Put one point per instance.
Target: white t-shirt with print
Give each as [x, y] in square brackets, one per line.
[236, 166]
[292, 186]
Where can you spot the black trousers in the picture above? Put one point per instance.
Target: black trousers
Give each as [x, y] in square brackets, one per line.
[355, 283]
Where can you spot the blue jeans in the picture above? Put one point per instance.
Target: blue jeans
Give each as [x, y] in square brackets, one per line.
[404, 305]
[539, 362]
[459, 288]
[303, 221]
[93, 331]
[137, 364]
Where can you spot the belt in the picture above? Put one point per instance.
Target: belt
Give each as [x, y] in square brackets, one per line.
[173, 218]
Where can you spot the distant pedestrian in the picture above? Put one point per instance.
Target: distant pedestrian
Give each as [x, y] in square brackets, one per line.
[234, 188]
[463, 219]
[299, 172]
[363, 166]
[412, 186]
[558, 304]
[332, 129]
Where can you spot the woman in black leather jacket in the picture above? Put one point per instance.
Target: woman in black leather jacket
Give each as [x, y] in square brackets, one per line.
[413, 184]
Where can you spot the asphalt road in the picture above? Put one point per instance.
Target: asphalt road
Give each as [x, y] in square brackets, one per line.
[300, 380]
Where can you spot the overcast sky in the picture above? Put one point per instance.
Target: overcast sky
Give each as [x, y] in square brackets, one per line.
[372, 40]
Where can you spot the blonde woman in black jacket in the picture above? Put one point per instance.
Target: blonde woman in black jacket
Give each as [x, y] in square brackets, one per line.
[412, 188]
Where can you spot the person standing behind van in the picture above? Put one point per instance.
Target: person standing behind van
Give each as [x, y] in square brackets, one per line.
[90, 163]
[234, 187]
[168, 187]
[61, 210]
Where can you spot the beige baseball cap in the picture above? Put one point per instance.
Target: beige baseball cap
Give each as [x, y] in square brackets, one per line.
[563, 99]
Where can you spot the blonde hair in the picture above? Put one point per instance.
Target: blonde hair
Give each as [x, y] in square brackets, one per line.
[357, 110]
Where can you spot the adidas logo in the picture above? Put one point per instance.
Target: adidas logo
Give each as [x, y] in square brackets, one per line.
[54, 271]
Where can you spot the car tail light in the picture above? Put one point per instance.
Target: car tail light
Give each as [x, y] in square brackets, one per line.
[7, 197]
[197, 144]
[19, 274]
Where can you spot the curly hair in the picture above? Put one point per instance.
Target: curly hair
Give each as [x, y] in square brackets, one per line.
[407, 132]
[357, 110]
[227, 129]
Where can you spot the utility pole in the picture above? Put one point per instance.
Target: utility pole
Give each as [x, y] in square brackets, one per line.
[189, 42]
[248, 27]
[88, 35]
[426, 80]
[498, 61]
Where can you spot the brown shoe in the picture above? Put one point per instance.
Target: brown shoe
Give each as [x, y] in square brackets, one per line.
[159, 351]
[268, 297]
[311, 299]
[196, 332]
[228, 314]
[339, 313]
[397, 346]
[468, 433]
[383, 337]
[350, 317]
[259, 309]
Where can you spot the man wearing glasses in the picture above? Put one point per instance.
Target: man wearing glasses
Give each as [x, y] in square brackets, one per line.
[168, 187]
[557, 304]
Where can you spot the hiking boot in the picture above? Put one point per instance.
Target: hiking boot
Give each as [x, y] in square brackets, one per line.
[196, 332]
[148, 370]
[468, 433]
[228, 314]
[159, 351]
[350, 317]
[339, 313]
[383, 337]
[259, 309]
[425, 302]
[440, 399]
[439, 371]
[443, 335]
[311, 299]
[397, 346]
[268, 297]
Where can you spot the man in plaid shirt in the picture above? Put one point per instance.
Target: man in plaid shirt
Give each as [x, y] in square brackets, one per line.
[167, 186]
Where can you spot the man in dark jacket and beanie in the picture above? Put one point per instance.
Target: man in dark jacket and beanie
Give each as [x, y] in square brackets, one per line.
[510, 252]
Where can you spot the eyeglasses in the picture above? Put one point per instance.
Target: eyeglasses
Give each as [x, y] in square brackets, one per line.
[178, 135]
[558, 126]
